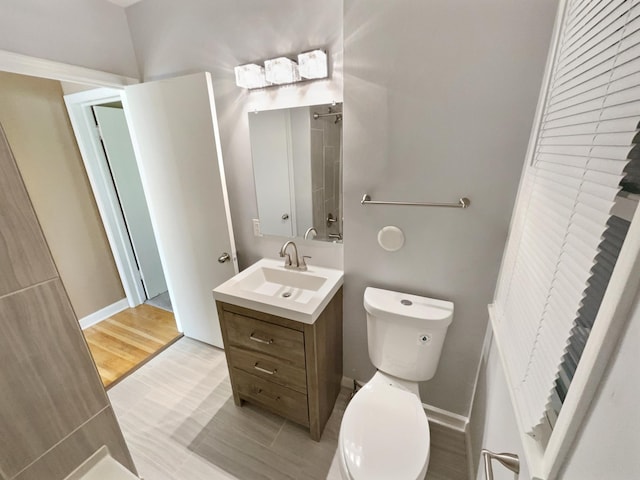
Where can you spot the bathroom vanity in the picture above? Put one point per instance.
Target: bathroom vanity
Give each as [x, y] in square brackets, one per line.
[282, 333]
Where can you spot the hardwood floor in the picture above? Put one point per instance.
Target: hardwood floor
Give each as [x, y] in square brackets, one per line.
[124, 342]
[180, 423]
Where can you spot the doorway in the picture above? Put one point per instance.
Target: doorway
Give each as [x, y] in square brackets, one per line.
[122, 342]
[36, 121]
[88, 135]
[121, 163]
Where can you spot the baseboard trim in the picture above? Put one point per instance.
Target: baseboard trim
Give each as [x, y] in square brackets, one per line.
[435, 414]
[446, 418]
[347, 382]
[103, 313]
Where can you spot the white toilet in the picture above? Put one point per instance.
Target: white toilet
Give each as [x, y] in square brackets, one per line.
[384, 432]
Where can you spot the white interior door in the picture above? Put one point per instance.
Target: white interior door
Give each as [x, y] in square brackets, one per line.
[271, 154]
[175, 136]
[126, 177]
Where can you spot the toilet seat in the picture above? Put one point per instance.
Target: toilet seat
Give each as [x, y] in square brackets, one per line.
[384, 433]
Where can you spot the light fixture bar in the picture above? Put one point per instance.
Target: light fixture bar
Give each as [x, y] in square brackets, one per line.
[311, 65]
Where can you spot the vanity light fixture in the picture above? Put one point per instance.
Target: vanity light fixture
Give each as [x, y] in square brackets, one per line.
[250, 76]
[281, 70]
[311, 65]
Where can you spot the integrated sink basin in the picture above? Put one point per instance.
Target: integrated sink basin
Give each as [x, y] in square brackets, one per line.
[270, 281]
[269, 287]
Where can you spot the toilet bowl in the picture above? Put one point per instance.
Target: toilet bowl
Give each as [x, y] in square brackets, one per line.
[385, 432]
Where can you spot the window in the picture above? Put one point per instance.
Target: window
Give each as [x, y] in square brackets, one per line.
[564, 238]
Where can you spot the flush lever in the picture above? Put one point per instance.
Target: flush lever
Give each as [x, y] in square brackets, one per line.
[508, 460]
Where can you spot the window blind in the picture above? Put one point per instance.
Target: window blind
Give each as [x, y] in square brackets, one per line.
[588, 128]
[605, 261]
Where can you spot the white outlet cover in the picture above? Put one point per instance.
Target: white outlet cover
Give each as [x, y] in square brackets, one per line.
[391, 238]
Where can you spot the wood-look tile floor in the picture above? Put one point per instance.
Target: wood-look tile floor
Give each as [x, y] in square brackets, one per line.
[122, 343]
[180, 423]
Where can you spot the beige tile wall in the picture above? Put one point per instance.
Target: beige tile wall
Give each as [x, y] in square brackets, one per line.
[54, 412]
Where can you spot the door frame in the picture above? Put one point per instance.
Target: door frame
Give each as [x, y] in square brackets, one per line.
[113, 89]
[39, 67]
[79, 106]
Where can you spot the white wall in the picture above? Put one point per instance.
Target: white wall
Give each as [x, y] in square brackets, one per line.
[89, 33]
[439, 102]
[188, 36]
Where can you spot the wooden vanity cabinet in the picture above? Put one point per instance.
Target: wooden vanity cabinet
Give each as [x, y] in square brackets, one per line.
[287, 367]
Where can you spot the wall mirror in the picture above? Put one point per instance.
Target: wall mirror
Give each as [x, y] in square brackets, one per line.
[297, 166]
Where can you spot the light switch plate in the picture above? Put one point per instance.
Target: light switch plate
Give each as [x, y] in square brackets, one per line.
[256, 228]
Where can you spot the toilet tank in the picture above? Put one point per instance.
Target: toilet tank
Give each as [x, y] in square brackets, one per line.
[406, 332]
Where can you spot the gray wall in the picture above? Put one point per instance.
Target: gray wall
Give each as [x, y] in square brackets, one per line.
[439, 103]
[89, 33]
[172, 37]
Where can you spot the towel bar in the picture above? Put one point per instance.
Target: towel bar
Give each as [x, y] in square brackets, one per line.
[462, 203]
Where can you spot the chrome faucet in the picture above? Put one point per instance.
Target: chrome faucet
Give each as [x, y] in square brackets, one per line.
[295, 263]
[309, 231]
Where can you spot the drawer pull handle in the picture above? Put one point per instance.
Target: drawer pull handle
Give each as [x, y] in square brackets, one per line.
[264, 370]
[261, 340]
[272, 398]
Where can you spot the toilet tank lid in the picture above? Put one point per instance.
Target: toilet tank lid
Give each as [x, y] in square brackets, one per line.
[381, 302]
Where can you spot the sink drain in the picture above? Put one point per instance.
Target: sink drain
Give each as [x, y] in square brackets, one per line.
[286, 294]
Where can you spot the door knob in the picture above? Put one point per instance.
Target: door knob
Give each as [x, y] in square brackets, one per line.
[508, 460]
[225, 257]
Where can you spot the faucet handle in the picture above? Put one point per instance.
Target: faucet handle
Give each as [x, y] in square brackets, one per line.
[287, 260]
[304, 263]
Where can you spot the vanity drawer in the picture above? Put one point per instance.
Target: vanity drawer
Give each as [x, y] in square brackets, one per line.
[281, 400]
[270, 368]
[265, 337]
